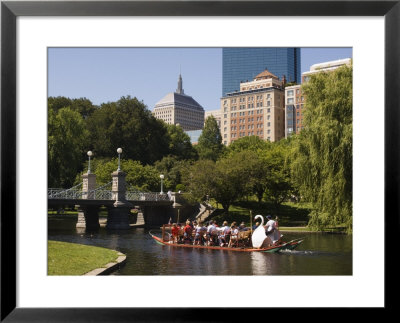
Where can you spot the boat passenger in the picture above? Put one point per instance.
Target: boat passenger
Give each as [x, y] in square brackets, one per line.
[234, 235]
[199, 231]
[211, 233]
[242, 227]
[224, 232]
[175, 233]
[271, 230]
[256, 225]
[187, 232]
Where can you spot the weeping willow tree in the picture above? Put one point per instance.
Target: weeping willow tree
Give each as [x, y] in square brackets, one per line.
[322, 153]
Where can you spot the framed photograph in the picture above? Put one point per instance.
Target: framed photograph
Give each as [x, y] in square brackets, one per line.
[30, 28]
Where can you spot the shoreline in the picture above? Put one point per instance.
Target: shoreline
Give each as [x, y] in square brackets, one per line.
[77, 259]
[110, 267]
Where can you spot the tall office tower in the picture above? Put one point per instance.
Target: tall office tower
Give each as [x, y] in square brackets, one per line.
[257, 109]
[179, 108]
[243, 64]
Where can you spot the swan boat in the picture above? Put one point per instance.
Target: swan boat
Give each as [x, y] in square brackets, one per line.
[257, 238]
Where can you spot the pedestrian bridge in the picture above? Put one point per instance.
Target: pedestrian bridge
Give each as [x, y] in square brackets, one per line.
[155, 208]
[60, 196]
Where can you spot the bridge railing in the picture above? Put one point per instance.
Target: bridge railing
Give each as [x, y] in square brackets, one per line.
[60, 193]
[75, 194]
[148, 196]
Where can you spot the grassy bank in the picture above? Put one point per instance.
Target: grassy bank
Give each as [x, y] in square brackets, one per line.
[76, 259]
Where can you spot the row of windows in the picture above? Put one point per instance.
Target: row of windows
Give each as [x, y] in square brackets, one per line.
[258, 126]
[291, 92]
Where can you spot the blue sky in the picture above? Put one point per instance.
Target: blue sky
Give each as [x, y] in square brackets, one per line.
[106, 74]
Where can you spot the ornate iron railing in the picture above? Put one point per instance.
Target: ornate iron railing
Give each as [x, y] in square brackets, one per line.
[101, 194]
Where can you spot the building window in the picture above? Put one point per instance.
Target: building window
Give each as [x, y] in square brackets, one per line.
[290, 93]
[290, 101]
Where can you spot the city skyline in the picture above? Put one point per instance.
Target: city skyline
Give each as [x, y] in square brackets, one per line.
[106, 74]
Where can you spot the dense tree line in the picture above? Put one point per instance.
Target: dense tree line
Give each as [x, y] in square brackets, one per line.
[314, 166]
[76, 126]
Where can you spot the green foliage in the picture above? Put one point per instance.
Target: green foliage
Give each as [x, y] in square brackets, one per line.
[253, 143]
[210, 141]
[138, 177]
[278, 182]
[225, 180]
[67, 137]
[128, 124]
[82, 105]
[322, 153]
[179, 143]
[173, 170]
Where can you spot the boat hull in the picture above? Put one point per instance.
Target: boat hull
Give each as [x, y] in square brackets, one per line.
[289, 245]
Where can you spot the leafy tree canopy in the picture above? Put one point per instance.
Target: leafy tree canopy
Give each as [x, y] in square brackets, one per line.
[67, 137]
[128, 124]
[322, 153]
[210, 141]
[179, 143]
[81, 105]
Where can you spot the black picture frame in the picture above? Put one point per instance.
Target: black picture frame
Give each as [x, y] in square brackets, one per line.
[10, 10]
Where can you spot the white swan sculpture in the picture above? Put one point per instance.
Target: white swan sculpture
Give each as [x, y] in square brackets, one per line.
[259, 235]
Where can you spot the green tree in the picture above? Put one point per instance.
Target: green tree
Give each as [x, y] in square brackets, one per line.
[81, 105]
[210, 141]
[179, 143]
[67, 137]
[128, 124]
[173, 169]
[138, 177]
[225, 180]
[253, 143]
[278, 181]
[322, 153]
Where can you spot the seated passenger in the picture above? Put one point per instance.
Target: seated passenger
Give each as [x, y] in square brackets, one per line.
[175, 233]
[211, 233]
[242, 227]
[256, 225]
[234, 235]
[187, 232]
[199, 231]
[224, 232]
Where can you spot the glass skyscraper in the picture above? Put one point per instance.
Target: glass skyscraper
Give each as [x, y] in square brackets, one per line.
[243, 64]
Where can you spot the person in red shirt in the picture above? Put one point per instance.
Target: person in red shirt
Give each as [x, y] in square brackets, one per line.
[175, 233]
[187, 232]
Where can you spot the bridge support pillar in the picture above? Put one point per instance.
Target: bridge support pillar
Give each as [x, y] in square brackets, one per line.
[88, 217]
[118, 215]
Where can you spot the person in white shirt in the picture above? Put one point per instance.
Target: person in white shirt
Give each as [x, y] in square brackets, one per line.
[211, 233]
[271, 230]
[234, 235]
[223, 233]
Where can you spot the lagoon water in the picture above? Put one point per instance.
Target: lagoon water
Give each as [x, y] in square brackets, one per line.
[319, 254]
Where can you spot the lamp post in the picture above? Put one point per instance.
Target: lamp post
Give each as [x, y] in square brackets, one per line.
[119, 151]
[161, 177]
[89, 153]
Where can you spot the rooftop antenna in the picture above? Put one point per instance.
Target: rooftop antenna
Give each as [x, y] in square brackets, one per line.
[180, 83]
